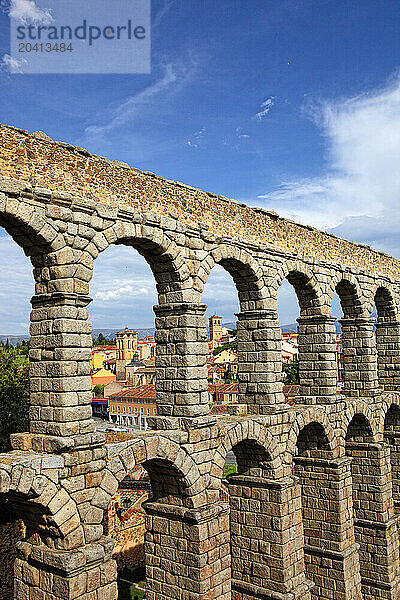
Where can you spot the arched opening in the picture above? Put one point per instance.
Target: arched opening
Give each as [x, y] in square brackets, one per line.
[359, 367]
[148, 519]
[373, 511]
[387, 331]
[123, 356]
[325, 501]
[391, 435]
[180, 383]
[337, 313]
[288, 312]
[315, 339]
[241, 347]
[249, 492]
[221, 297]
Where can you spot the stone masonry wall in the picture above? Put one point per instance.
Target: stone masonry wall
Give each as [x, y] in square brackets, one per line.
[36, 159]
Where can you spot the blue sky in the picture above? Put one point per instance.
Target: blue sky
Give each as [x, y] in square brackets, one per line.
[291, 105]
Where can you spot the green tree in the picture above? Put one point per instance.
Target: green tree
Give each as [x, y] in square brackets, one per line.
[102, 341]
[227, 346]
[98, 390]
[14, 396]
[229, 376]
[291, 373]
[24, 348]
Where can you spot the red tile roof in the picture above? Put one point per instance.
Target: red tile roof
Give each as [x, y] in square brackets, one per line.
[149, 391]
[141, 392]
[225, 388]
[291, 390]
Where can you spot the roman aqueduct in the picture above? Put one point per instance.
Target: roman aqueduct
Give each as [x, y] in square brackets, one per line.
[314, 507]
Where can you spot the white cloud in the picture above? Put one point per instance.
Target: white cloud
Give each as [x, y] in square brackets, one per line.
[265, 107]
[12, 65]
[26, 11]
[16, 282]
[363, 175]
[124, 291]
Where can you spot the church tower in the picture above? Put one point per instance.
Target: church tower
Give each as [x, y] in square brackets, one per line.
[215, 324]
[127, 341]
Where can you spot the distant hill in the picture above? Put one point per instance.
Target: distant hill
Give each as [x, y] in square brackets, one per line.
[14, 339]
[111, 333]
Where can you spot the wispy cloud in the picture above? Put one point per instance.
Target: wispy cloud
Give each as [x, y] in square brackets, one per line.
[26, 11]
[130, 108]
[363, 175]
[265, 108]
[167, 5]
[240, 134]
[197, 138]
[12, 65]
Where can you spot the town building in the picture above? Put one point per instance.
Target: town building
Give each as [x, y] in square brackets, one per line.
[132, 406]
[100, 407]
[147, 347]
[143, 374]
[102, 377]
[223, 393]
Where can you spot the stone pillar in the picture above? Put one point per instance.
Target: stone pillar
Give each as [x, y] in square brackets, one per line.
[187, 552]
[331, 553]
[374, 520]
[266, 539]
[317, 356]
[359, 357]
[388, 349]
[182, 349]
[259, 360]
[86, 573]
[59, 370]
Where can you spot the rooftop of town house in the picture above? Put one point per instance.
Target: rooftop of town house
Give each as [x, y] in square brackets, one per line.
[147, 391]
[224, 388]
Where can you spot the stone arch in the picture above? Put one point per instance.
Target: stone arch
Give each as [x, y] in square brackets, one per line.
[302, 278]
[44, 506]
[161, 253]
[389, 424]
[244, 270]
[28, 228]
[149, 452]
[311, 415]
[387, 401]
[251, 431]
[384, 298]
[350, 294]
[361, 410]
